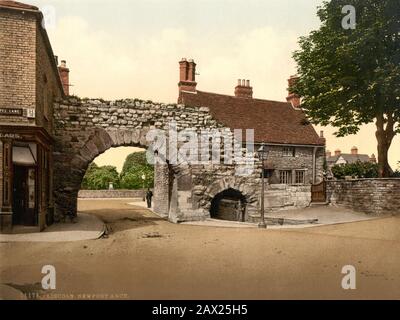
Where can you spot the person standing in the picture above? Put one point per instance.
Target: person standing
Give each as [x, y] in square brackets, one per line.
[149, 197]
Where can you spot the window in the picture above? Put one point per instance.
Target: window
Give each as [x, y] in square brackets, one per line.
[289, 152]
[285, 177]
[268, 173]
[300, 177]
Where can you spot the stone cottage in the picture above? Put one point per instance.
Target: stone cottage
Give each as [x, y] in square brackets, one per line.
[296, 152]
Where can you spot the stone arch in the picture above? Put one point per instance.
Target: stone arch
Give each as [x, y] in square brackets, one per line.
[68, 180]
[237, 204]
[249, 193]
[232, 182]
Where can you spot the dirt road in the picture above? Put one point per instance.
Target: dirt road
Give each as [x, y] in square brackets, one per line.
[146, 257]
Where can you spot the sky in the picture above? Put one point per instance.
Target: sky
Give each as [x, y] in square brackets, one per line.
[130, 49]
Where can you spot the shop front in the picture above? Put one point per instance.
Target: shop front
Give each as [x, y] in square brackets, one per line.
[26, 179]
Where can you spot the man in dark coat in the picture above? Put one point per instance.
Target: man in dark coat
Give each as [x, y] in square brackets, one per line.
[149, 196]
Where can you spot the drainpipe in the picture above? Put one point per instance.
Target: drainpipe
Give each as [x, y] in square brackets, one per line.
[314, 165]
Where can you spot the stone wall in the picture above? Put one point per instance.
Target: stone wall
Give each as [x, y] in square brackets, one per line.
[285, 197]
[302, 160]
[110, 194]
[371, 196]
[86, 128]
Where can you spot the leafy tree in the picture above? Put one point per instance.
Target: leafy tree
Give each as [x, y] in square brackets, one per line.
[134, 168]
[349, 78]
[98, 178]
[358, 169]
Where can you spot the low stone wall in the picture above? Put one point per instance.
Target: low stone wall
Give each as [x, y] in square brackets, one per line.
[285, 197]
[371, 196]
[110, 194]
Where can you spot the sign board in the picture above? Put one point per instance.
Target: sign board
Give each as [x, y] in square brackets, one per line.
[10, 136]
[11, 112]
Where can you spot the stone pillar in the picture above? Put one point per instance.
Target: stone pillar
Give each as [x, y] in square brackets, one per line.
[161, 189]
[7, 185]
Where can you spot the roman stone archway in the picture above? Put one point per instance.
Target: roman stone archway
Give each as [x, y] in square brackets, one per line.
[86, 128]
[248, 190]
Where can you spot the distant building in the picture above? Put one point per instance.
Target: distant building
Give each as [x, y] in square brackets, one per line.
[340, 158]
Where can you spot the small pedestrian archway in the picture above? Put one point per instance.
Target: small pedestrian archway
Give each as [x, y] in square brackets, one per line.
[230, 205]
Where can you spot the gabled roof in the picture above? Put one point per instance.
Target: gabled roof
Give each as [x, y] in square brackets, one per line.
[17, 5]
[349, 158]
[272, 121]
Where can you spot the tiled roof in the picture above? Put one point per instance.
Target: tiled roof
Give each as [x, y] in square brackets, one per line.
[17, 5]
[272, 121]
[349, 158]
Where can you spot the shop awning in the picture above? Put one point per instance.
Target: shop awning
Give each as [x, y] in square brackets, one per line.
[24, 155]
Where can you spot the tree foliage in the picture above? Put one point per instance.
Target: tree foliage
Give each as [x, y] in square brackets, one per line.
[349, 78]
[358, 169]
[99, 178]
[134, 168]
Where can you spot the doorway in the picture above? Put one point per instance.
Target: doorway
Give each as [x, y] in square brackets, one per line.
[24, 196]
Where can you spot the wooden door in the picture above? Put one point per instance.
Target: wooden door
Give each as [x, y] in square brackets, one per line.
[318, 192]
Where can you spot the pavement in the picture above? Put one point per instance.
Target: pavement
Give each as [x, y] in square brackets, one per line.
[146, 257]
[293, 219]
[87, 227]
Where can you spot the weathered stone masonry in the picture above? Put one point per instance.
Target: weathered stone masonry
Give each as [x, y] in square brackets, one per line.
[372, 196]
[86, 128]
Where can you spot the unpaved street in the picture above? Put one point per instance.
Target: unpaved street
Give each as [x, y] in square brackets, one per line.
[145, 257]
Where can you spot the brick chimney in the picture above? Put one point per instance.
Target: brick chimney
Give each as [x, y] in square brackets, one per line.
[293, 98]
[338, 152]
[64, 75]
[328, 154]
[187, 75]
[372, 158]
[243, 89]
[354, 151]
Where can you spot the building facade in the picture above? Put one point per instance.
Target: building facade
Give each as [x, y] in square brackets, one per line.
[29, 83]
[296, 152]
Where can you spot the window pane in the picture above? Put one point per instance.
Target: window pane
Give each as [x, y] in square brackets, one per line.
[300, 177]
[285, 177]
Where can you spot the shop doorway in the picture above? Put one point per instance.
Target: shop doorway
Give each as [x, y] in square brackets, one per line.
[24, 198]
[24, 187]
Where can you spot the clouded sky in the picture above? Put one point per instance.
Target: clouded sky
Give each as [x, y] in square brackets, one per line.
[131, 48]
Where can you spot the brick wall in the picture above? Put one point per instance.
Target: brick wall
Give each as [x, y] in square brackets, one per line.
[371, 196]
[17, 67]
[47, 84]
[25, 67]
